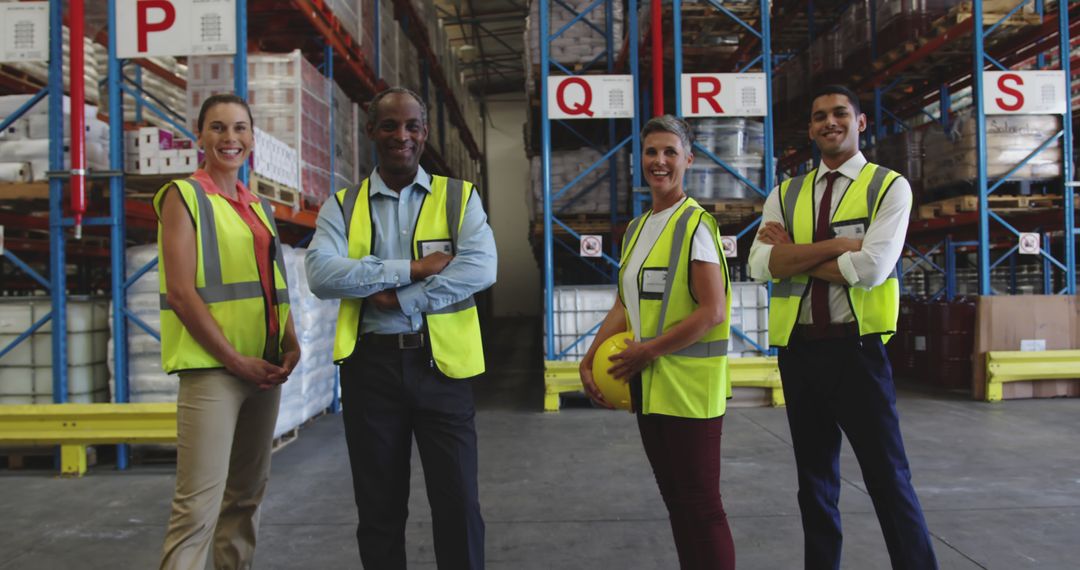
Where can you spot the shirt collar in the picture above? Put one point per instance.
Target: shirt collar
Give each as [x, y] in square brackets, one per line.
[850, 169]
[422, 179]
[243, 195]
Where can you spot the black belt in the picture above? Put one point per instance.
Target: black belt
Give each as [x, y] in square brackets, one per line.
[400, 341]
[827, 332]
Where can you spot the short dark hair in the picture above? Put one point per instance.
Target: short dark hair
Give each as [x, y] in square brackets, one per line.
[373, 107]
[670, 124]
[837, 90]
[222, 99]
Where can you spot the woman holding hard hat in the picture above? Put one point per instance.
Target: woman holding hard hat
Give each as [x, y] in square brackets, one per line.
[674, 301]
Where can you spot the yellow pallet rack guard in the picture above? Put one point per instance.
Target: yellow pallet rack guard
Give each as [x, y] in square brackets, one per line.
[755, 372]
[74, 426]
[1016, 366]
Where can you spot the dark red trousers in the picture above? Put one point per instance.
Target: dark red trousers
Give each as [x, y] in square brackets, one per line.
[685, 457]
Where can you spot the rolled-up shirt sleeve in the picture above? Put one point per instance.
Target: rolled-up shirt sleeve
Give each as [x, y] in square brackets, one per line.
[332, 274]
[758, 262]
[472, 270]
[883, 242]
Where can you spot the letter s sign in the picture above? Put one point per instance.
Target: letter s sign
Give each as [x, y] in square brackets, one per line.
[1030, 92]
[1003, 86]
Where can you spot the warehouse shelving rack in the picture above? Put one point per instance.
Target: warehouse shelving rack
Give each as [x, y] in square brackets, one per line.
[299, 16]
[760, 35]
[929, 73]
[550, 221]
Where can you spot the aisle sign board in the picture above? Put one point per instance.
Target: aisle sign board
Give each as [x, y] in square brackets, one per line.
[175, 27]
[724, 95]
[1024, 92]
[590, 96]
[24, 31]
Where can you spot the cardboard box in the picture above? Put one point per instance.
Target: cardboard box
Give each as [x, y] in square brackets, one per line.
[1002, 322]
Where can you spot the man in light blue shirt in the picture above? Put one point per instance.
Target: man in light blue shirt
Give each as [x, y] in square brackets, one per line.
[395, 381]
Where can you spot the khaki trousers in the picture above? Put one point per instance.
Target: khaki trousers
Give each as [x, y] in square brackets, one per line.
[225, 427]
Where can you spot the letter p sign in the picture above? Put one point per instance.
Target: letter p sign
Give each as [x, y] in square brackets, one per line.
[162, 9]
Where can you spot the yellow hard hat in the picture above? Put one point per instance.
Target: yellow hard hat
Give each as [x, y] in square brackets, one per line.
[615, 391]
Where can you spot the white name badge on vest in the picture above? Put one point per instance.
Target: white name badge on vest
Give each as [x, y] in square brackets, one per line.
[653, 283]
[854, 229]
[435, 246]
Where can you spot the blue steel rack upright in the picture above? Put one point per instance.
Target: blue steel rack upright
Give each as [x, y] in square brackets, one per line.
[985, 189]
[546, 37]
[765, 60]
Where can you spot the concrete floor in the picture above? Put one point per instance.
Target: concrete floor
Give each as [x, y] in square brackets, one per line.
[1000, 485]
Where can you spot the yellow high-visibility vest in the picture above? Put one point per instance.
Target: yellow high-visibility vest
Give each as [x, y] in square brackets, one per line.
[454, 331]
[693, 382]
[875, 309]
[226, 278]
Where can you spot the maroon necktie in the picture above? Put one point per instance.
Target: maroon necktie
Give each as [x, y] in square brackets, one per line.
[819, 288]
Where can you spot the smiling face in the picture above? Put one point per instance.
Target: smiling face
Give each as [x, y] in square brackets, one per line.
[835, 127]
[399, 133]
[664, 161]
[226, 136]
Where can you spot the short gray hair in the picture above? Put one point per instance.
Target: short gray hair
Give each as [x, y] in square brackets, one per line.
[373, 107]
[670, 124]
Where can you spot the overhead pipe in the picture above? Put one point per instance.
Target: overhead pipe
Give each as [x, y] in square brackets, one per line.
[657, 11]
[77, 69]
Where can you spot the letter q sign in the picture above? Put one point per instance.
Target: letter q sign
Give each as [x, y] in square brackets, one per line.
[590, 97]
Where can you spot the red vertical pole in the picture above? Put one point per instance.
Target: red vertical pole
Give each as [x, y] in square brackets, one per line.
[77, 69]
[657, 12]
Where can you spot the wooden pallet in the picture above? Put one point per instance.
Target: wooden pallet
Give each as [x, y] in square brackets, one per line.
[994, 10]
[1007, 204]
[733, 211]
[274, 191]
[44, 457]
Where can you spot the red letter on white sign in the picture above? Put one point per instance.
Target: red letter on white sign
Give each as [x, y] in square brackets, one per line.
[145, 27]
[697, 93]
[1010, 91]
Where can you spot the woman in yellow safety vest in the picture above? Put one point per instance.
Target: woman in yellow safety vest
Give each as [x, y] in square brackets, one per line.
[227, 332]
[674, 298]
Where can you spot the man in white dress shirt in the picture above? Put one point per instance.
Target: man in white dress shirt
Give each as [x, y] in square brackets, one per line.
[830, 241]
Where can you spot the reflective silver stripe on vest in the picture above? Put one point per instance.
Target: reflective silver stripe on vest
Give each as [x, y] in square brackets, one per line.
[227, 292]
[281, 295]
[456, 307]
[673, 264]
[788, 288]
[348, 204]
[208, 235]
[630, 229]
[216, 290]
[707, 349]
[453, 209]
[791, 196]
[875, 188]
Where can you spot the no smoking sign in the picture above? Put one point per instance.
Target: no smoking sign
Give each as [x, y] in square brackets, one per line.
[1029, 244]
[592, 246]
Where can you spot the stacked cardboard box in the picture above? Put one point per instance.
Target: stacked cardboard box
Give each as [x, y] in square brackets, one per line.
[953, 156]
[591, 195]
[290, 100]
[150, 150]
[274, 160]
[582, 42]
